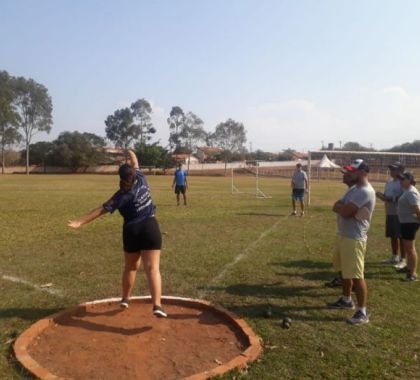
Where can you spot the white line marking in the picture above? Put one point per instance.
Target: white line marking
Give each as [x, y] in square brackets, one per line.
[238, 258]
[54, 292]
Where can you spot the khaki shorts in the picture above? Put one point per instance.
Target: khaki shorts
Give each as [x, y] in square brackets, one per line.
[349, 257]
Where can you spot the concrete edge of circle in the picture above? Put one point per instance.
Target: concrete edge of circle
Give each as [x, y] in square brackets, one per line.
[251, 353]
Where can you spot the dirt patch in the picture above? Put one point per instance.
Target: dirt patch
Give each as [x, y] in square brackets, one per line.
[103, 341]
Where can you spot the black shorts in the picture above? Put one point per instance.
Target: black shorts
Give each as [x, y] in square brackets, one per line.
[392, 227]
[408, 230]
[298, 194]
[142, 236]
[180, 189]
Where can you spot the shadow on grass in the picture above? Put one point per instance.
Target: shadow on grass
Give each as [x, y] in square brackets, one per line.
[311, 276]
[260, 214]
[296, 313]
[307, 264]
[28, 314]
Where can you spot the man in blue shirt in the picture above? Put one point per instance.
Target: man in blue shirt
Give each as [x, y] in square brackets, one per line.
[180, 184]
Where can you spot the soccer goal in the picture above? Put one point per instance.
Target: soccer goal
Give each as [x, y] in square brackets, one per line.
[252, 168]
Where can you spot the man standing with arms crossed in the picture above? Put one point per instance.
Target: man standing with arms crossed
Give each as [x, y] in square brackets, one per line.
[299, 186]
[354, 213]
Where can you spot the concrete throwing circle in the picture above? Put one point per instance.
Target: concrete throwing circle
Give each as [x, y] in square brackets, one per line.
[99, 340]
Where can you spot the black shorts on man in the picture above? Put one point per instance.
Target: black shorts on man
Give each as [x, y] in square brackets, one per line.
[180, 189]
[392, 227]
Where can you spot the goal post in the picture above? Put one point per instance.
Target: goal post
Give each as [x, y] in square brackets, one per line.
[258, 192]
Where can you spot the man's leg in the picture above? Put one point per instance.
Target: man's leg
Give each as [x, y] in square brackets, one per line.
[347, 286]
[294, 205]
[360, 288]
[302, 205]
[184, 194]
[394, 246]
[402, 248]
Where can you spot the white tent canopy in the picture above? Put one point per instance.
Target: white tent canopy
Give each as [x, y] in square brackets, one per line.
[327, 163]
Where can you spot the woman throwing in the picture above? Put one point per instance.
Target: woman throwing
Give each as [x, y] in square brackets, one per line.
[142, 239]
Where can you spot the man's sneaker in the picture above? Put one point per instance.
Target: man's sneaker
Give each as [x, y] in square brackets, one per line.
[302, 214]
[401, 264]
[334, 283]
[341, 304]
[392, 260]
[124, 303]
[411, 278]
[293, 213]
[358, 318]
[159, 312]
[402, 270]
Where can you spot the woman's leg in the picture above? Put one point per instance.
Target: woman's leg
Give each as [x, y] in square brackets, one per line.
[151, 263]
[410, 251]
[131, 266]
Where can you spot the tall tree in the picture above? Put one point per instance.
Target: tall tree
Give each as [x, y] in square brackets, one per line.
[41, 153]
[121, 129]
[231, 137]
[192, 133]
[8, 115]
[34, 107]
[142, 111]
[76, 150]
[176, 122]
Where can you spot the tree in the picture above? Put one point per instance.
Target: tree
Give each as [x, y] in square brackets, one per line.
[192, 133]
[176, 122]
[231, 137]
[41, 153]
[34, 107]
[75, 150]
[120, 128]
[413, 147]
[142, 110]
[152, 155]
[355, 146]
[8, 116]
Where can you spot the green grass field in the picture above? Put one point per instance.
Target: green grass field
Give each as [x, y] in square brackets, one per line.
[285, 263]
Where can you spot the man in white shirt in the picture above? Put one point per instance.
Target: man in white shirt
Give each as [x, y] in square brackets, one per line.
[299, 186]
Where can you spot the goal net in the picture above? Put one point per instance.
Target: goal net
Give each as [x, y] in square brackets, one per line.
[246, 180]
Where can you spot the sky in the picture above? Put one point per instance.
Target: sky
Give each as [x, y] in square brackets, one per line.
[296, 73]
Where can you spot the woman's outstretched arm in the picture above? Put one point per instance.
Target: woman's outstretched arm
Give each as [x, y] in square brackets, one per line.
[133, 159]
[85, 219]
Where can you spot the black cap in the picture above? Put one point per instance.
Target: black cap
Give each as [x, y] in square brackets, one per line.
[397, 166]
[407, 175]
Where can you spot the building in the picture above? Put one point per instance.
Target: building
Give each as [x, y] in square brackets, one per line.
[208, 153]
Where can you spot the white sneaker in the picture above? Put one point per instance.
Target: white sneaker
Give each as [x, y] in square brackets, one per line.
[392, 260]
[124, 303]
[401, 264]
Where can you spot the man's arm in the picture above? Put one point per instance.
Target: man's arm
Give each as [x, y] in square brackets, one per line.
[85, 219]
[347, 210]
